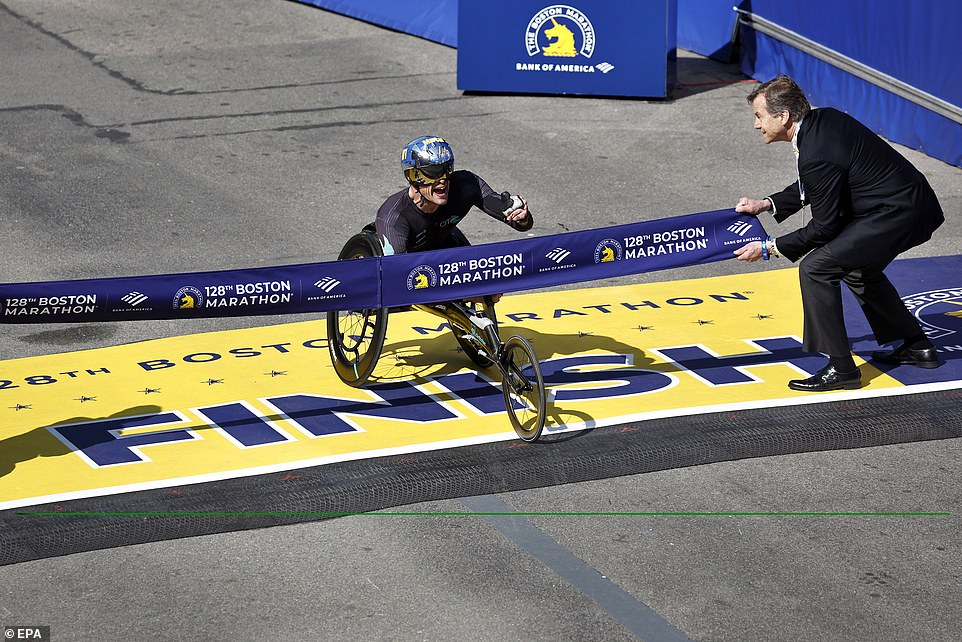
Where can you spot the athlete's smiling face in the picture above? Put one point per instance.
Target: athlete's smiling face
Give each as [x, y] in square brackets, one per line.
[438, 190]
[429, 198]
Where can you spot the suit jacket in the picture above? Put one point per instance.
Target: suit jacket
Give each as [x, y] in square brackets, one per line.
[869, 204]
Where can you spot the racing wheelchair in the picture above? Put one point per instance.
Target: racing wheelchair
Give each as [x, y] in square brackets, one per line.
[356, 339]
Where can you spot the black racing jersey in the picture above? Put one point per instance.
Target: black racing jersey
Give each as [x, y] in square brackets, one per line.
[403, 228]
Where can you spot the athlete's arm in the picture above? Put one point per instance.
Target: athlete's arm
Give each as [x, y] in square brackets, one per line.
[392, 229]
[507, 210]
[513, 210]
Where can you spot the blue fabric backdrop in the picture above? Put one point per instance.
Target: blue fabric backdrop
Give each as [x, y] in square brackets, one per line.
[917, 43]
[707, 27]
[436, 20]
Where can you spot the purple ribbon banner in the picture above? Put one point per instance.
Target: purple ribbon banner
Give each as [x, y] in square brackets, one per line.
[311, 287]
[390, 281]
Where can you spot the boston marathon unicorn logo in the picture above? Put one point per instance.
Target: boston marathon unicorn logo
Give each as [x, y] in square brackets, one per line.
[421, 281]
[562, 41]
[422, 277]
[560, 31]
[608, 251]
[188, 298]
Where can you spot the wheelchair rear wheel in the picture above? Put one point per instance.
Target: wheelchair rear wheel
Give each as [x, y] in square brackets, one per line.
[355, 338]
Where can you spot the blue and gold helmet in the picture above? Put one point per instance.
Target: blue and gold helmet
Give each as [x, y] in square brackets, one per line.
[426, 160]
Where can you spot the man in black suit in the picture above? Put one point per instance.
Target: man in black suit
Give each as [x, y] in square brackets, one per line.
[869, 204]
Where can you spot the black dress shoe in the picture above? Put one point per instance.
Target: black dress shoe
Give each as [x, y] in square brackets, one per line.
[903, 355]
[828, 378]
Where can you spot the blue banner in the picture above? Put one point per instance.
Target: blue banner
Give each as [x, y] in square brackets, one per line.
[558, 259]
[312, 287]
[595, 47]
[390, 281]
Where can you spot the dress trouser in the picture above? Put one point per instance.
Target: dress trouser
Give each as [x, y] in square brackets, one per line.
[824, 331]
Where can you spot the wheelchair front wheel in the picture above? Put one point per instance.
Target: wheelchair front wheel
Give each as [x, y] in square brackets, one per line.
[523, 388]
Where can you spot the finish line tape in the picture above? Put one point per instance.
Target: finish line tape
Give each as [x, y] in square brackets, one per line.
[389, 281]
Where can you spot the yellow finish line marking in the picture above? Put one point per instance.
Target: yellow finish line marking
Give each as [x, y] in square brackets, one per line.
[219, 405]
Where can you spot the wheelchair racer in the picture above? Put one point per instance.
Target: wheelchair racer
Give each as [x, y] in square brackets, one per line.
[426, 214]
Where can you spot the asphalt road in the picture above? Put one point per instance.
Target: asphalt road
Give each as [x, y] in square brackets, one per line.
[144, 137]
